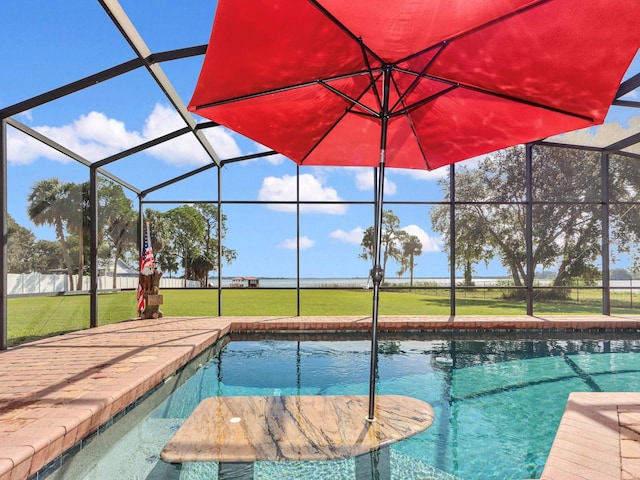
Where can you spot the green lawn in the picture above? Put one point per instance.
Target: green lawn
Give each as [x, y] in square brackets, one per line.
[36, 317]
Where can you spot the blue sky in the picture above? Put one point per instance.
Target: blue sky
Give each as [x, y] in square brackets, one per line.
[45, 45]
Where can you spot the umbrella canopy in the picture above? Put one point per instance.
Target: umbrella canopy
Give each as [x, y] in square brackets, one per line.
[411, 83]
[305, 77]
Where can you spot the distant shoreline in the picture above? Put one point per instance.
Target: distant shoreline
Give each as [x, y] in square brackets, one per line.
[356, 282]
[364, 282]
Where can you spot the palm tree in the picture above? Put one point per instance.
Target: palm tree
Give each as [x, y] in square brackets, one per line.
[47, 206]
[76, 216]
[411, 248]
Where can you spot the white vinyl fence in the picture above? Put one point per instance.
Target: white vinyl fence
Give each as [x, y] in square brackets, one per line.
[33, 283]
[30, 283]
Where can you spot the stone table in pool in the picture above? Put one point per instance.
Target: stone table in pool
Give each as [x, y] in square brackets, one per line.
[237, 431]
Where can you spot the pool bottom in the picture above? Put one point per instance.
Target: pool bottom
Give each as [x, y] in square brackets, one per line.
[402, 467]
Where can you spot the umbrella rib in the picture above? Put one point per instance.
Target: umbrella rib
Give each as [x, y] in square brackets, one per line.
[351, 100]
[525, 102]
[533, 4]
[512, 13]
[428, 99]
[450, 83]
[405, 112]
[278, 90]
[413, 130]
[440, 45]
[364, 114]
[420, 75]
[322, 138]
[484, 91]
[370, 70]
[347, 110]
[343, 27]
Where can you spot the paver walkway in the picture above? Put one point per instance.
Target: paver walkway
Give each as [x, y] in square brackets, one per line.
[598, 438]
[56, 391]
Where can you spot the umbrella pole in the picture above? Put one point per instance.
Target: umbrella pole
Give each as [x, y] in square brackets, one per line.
[377, 273]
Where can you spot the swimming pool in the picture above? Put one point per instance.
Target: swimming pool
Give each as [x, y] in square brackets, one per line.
[497, 401]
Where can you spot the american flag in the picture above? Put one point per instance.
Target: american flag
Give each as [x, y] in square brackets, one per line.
[146, 266]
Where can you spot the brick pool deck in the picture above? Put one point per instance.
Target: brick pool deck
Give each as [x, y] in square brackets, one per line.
[54, 392]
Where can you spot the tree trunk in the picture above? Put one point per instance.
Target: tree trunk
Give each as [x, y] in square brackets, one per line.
[186, 267]
[115, 266]
[65, 251]
[468, 273]
[561, 278]
[411, 271]
[80, 259]
[515, 274]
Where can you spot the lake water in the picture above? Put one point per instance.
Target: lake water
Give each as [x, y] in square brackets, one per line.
[355, 282]
[364, 282]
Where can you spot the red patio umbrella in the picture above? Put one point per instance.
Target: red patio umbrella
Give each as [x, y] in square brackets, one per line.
[411, 83]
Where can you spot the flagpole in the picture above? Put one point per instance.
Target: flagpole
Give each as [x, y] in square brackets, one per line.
[148, 233]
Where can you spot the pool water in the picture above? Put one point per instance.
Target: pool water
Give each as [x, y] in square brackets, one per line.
[497, 403]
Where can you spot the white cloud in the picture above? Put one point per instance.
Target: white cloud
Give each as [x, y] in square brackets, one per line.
[92, 136]
[364, 177]
[185, 150]
[95, 136]
[163, 119]
[429, 244]
[364, 182]
[283, 189]
[291, 244]
[97, 128]
[27, 115]
[424, 175]
[277, 159]
[223, 142]
[353, 236]
[255, 147]
[602, 135]
[23, 150]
